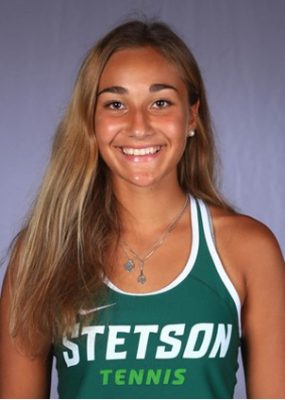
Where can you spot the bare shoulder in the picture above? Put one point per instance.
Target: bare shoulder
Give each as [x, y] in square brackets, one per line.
[245, 234]
[249, 251]
[253, 260]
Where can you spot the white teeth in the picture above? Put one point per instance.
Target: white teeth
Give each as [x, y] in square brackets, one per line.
[140, 152]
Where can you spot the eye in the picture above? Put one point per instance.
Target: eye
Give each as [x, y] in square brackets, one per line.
[161, 103]
[115, 105]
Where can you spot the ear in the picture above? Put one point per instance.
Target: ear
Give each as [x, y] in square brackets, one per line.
[194, 112]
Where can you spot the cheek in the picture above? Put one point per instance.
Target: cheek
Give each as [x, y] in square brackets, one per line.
[175, 127]
[178, 119]
[105, 131]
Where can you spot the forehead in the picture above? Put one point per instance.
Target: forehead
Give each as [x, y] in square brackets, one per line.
[139, 64]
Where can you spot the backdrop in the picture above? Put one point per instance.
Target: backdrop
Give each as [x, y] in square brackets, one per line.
[239, 46]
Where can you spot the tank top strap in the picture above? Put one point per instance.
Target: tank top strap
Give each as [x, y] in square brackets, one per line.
[208, 266]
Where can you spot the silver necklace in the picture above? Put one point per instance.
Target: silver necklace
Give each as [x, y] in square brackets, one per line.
[130, 264]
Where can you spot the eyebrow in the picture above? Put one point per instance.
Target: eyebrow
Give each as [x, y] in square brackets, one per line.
[156, 87]
[113, 89]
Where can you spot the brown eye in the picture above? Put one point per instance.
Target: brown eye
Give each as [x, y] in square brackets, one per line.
[115, 105]
[162, 103]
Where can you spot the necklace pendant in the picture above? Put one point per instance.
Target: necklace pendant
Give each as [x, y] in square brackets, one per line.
[129, 265]
[141, 278]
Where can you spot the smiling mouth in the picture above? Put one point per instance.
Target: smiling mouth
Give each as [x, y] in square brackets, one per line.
[130, 151]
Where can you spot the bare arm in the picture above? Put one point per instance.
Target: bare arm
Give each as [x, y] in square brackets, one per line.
[264, 316]
[21, 375]
[254, 262]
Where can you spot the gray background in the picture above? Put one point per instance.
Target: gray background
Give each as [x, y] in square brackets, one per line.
[239, 46]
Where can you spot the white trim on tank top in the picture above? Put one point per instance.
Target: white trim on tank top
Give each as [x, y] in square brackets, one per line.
[206, 220]
[188, 267]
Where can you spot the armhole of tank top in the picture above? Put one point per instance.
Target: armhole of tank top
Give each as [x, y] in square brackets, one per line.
[210, 240]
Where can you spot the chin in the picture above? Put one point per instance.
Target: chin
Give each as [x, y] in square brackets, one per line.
[144, 182]
[141, 180]
[152, 181]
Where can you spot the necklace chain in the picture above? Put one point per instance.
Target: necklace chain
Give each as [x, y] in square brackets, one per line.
[129, 265]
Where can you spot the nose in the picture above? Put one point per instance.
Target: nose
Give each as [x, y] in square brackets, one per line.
[139, 125]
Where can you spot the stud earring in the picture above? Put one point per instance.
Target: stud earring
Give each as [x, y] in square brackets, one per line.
[190, 133]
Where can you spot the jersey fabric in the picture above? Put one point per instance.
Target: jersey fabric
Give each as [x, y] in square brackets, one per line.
[178, 342]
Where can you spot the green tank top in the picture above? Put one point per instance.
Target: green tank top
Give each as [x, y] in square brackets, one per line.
[178, 342]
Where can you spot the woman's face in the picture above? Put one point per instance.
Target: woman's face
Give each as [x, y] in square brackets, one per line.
[142, 117]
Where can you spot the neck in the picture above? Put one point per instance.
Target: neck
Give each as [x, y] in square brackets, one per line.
[148, 209]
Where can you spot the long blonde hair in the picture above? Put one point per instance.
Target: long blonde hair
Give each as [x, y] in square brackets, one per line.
[57, 260]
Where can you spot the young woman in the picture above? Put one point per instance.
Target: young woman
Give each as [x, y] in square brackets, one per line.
[131, 269]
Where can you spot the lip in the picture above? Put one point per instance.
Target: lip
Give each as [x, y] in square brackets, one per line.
[137, 158]
[142, 151]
